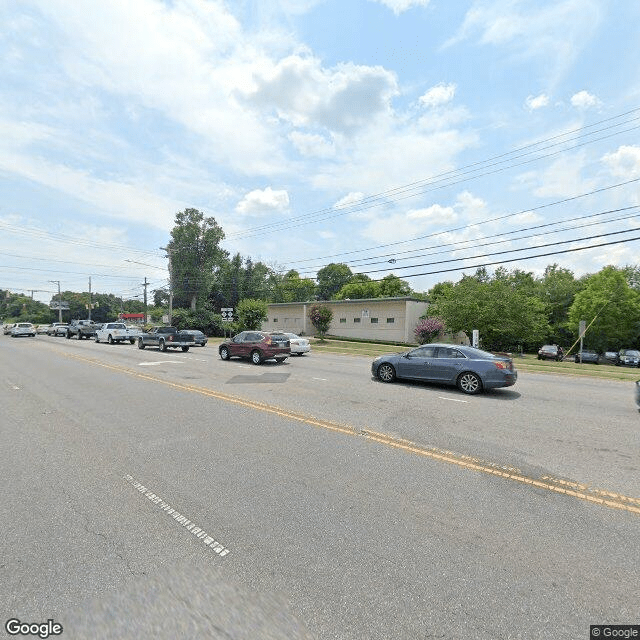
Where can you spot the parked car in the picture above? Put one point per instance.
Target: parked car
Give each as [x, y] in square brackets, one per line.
[611, 356]
[6, 329]
[299, 346]
[42, 328]
[258, 346]
[58, 329]
[23, 329]
[550, 352]
[199, 339]
[113, 332]
[471, 370]
[628, 358]
[586, 356]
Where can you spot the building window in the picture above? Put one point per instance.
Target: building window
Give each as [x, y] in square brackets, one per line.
[356, 319]
[275, 319]
[374, 320]
[390, 320]
[343, 320]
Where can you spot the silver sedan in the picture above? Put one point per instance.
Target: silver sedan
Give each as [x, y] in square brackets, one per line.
[471, 370]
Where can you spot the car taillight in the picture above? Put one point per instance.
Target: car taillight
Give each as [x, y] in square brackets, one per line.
[500, 364]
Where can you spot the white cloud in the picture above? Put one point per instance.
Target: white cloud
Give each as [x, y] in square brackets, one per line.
[563, 178]
[438, 95]
[399, 6]
[343, 99]
[537, 102]
[625, 162]
[584, 100]
[437, 213]
[312, 145]
[349, 199]
[263, 201]
[555, 32]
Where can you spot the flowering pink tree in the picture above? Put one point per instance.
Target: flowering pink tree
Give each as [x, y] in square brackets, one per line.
[320, 316]
[428, 329]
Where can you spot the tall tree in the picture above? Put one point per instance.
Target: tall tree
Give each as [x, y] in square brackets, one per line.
[331, 279]
[611, 307]
[195, 256]
[557, 289]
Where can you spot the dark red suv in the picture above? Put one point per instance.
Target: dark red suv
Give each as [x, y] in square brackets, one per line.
[258, 346]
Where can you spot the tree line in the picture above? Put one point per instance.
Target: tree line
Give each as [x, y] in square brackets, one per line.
[512, 309]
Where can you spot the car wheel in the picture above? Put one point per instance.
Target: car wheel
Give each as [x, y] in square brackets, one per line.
[141, 344]
[256, 357]
[386, 372]
[110, 339]
[97, 339]
[185, 348]
[68, 335]
[224, 353]
[162, 346]
[469, 382]
[132, 341]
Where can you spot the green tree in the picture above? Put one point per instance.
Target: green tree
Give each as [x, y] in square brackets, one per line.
[195, 256]
[331, 279]
[290, 287]
[251, 313]
[505, 314]
[393, 287]
[611, 307]
[557, 289]
[360, 286]
[321, 317]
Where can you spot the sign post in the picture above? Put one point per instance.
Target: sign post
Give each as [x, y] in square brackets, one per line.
[227, 316]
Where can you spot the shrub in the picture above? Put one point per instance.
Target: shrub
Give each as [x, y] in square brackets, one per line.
[428, 329]
[321, 317]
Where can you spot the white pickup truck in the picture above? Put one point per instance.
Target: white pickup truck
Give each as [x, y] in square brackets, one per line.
[115, 332]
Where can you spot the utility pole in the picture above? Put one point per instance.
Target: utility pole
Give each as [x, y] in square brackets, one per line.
[145, 284]
[90, 305]
[168, 250]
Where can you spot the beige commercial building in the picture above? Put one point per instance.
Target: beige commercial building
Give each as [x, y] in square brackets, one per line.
[388, 319]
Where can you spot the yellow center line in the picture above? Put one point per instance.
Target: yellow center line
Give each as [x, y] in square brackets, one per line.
[564, 487]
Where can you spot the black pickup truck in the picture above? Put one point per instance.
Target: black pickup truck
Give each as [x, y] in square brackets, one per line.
[82, 329]
[166, 338]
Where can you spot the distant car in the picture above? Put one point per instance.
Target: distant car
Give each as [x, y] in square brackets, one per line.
[258, 346]
[628, 358]
[42, 328]
[199, 339]
[299, 346]
[471, 370]
[611, 356]
[586, 356]
[23, 329]
[550, 352]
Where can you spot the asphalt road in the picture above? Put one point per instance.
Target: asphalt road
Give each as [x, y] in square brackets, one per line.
[166, 495]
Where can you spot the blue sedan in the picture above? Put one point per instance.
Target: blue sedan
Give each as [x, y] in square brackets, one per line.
[471, 370]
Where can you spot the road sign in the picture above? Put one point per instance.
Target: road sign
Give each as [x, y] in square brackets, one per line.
[59, 305]
[227, 314]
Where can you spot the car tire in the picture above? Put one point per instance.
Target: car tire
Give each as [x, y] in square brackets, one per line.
[162, 346]
[132, 341]
[386, 372]
[141, 344]
[256, 357]
[224, 353]
[185, 348]
[68, 335]
[469, 383]
[110, 339]
[97, 339]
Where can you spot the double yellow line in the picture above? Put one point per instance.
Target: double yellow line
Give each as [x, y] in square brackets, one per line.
[549, 483]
